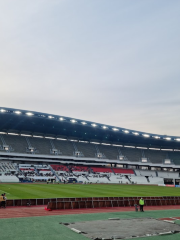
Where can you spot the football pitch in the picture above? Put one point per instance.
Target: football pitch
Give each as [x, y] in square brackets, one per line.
[33, 191]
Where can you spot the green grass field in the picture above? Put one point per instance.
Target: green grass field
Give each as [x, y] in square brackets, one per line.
[30, 191]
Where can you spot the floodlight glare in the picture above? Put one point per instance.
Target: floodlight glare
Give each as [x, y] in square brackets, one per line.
[2, 110]
[84, 123]
[93, 124]
[17, 112]
[146, 135]
[136, 133]
[104, 127]
[115, 129]
[157, 137]
[50, 117]
[73, 121]
[177, 139]
[167, 138]
[29, 114]
[61, 118]
[125, 131]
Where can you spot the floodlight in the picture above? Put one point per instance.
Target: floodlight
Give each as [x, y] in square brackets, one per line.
[50, 117]
[177, 139]
[73, 121]
[125, 131]
[146, 135]
[29, 114]
[115, 129]
[17, 112]
[13, 134]
[157, 137]
[135, 133]
[93, 124]
[61, 118]
[104, 127]
[167, 138]
[2, 110]
[84, 123]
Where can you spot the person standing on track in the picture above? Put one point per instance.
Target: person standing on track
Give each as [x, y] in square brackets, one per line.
[2, 201]
[141, 204]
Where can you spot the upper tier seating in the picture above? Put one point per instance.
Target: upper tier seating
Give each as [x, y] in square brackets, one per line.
[175, 157]
[155, 156]
[18, 143]
[41, 144]
[66, 147]
[109, 151]
[132, 154]
[87, 149]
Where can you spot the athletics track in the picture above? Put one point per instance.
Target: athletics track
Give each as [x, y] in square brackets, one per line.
[35, 211]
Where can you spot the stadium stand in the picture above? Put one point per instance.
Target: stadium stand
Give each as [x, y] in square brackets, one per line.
[42, 146]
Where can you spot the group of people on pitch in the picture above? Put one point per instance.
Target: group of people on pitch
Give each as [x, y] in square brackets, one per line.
[3, 200]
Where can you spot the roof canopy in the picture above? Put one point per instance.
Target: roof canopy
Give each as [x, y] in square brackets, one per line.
[43, 124]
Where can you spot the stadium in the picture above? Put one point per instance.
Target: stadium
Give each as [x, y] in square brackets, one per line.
[69, 165]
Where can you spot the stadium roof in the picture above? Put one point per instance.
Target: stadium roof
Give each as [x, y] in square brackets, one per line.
[16, 121]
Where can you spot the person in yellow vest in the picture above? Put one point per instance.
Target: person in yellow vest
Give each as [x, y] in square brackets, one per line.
[2, 201]
[141, 204]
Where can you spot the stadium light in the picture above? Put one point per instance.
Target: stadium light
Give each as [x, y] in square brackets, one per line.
[84, 123]
[104, 127]
[50, 117]
[61, 118]
[146, 135]
[17, 112]
[167, 138]
[94, 125]
[36, 136]
[135, 133]
[29, 114]
[73, 120]
[13, 134]
[115, 129]
[156, 137]
[125, 131]
[177, 139]
[2, 110]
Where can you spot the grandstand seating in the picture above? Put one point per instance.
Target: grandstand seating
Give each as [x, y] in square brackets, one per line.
[66, 147]
[101, 170]
[41, 144]
[18, 143]
[59, 168]
[132, 154]
[175, 157]
[9, 173]
[123, 171]
[87, 149]
[109, 151]
[155, 156]
[145, 173]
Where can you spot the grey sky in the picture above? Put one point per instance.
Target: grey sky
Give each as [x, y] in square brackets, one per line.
[111, 61]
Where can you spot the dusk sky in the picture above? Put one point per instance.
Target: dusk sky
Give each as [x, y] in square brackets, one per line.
[115, 62]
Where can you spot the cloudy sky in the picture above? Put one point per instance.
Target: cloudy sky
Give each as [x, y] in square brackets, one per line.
[115, 62]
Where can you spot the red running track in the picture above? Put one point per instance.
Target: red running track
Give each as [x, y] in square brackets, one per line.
[17, 212]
